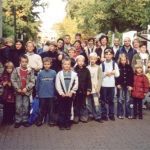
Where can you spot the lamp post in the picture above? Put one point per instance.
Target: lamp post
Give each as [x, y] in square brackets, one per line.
[1, 20]
[14, 15]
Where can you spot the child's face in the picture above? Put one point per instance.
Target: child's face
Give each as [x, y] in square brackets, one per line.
[24, 63]
[108, 56]
[52, 48]
[91, 43]
[9, 69]
[80, 62]
[123, 61]
[93, 60]
[47, 65]
[139, 70]
[66, 66]
[30, 47]
[143, 49]
[104, 41]
[71, 53]
[18, 45]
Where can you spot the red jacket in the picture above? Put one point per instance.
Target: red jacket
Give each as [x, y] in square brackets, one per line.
[140, 86]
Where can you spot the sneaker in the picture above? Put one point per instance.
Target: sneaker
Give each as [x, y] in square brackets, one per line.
[99, 120]
[121, 117]
[105, 118]
[51, 124]
[39, 123]
[84, 119]
[17, 125]
[112, 118]
[26, 124]
[130, 117]
[62, 128]
[68, 127]
[76, 120]
[134, 117]
[140, 117]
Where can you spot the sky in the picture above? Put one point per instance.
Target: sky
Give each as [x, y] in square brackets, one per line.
[54, 13]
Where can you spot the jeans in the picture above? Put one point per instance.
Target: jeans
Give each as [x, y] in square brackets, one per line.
[79, 104]
[22, 108]
[137, 107]
[46, 107]
[93, 106]
[123, 98]
[107, 98]
[65, 104]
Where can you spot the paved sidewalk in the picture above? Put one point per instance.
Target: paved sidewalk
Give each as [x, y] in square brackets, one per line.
[119, 135]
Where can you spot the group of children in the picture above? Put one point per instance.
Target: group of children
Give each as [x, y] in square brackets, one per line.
[82, 92]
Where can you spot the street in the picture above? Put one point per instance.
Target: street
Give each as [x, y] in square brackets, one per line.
[119, 135]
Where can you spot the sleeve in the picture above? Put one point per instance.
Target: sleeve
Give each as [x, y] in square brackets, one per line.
[31, 83]
[37, 84]
[89, 84]
[117, 73]
[131, 76]
[58, 85]
[133, 61]
[99, 78]
[76, 84]
[14, 80]
[40, 64]
[146, 84]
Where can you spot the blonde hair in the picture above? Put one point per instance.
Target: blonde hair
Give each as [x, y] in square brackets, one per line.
[9, 64]
[123, 56]
[80, 57]
[93, 54]
[138, 66]
[8, 40]
[30, 42]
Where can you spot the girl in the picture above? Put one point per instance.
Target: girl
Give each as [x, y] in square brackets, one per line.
[140, 89]
[124, 85]
[8, 94]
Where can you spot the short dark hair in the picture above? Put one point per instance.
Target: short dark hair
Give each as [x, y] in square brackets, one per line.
[108, 50]
[78, 34]
[102, 37]
[91, 39]
[23, 57]
[60, 39]
[47, 59]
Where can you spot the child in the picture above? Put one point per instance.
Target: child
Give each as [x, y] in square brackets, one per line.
[72, 55]
[66, 86]
[140, 89]
[35, 61]
[46, 91]
[124, 85]
[110, 71]
[23, 81]
[93, 104]
[84, 90]
[8, 94]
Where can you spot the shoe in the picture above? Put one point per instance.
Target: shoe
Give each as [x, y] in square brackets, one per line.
[121, 117]
[26, 124]
[84, 119]
[39, 123]
[62, 128]
[17, 125]
[68, 127]
[112, 118]
[134, 117]
[104, 118]
[140, 117]
[51, 124]
[76, 120]
[99, 120]
[130, 117]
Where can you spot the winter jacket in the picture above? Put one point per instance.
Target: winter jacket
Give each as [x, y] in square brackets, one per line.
[84, 79]
[129, 54]
[45, 84]
[126, 76]
[60, 83]
[16, 80]
[140, 86]
[8, 91]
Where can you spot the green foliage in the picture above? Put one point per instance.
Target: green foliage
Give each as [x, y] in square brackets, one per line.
[95, 16]
[26, 19]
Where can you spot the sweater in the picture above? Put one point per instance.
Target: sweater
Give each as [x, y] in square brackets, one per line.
[45, 85]
[109, 81]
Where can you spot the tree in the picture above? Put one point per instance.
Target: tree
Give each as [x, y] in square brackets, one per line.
[27, 20]
[105, 15]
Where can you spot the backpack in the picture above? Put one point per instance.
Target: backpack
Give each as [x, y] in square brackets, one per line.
[103, 66]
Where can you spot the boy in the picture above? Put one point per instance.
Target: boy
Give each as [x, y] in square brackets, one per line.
[66, 86]
[23, 81]
[72, 55]
[110, 71]
[45, 88]
[93, 104]
[84, 90]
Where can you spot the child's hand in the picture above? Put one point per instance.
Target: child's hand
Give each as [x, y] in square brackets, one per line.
[19, 91]
[113, 72]
[24, 91]
[130, 88]
[119, 86]
[69, 94]
[5, 83]
[63, 95]
[60, 57]
[108, 74]
[9, 83]
[88, 93]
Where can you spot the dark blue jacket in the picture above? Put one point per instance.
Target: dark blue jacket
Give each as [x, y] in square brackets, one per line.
[129, 54]
[46, 84]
